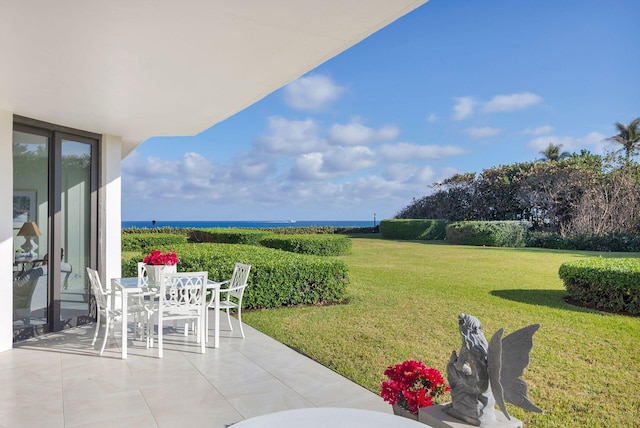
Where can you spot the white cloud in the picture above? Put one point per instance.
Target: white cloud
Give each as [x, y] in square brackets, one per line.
[464, 107]
[333, 163]
[312, 93]
[591, 141]
[355, 133]
[348, 159]
[540, 130]
[407, 151]
[511, 102]
[483, 132]
[432, 118]
[309, 167]
[290, 136]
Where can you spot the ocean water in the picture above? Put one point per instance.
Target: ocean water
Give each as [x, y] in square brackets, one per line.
[248, 224]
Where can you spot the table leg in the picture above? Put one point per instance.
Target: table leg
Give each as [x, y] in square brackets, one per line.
[124, 324]
[216, 318]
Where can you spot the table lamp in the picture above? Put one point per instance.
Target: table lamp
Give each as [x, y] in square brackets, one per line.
[29, 230]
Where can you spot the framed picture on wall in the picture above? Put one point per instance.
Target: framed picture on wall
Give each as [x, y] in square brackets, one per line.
[24, 207]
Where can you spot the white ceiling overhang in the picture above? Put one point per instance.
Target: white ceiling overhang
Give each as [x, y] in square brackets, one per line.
[138, 69]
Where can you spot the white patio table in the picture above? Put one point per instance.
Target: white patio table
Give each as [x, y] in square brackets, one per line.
[323, 417]
[135, 285]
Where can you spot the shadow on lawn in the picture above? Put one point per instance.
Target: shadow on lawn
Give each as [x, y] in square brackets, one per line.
[549, 298]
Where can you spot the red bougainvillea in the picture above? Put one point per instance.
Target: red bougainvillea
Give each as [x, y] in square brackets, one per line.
[413, 385]
[157, 257]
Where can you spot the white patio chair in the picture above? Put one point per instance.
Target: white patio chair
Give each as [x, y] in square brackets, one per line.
[231, 296]
[183, 296]
[111, 315]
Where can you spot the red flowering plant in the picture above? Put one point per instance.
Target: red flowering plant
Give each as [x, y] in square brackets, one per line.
[412, 385]
[157, 257]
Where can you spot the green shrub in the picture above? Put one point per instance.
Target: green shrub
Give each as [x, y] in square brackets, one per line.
[320, 230]
[148, 241]
[488, 233]
[618, 242]
[278, 278]
[229, 235]
[413, 229]
[318, 245]
[603, 283]
[164, 229]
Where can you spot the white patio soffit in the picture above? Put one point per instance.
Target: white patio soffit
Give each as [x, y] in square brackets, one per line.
[139, 69]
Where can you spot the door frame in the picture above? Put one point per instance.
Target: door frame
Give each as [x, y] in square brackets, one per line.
[56, 134]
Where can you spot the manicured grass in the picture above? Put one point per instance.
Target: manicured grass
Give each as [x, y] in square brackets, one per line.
[405, 298]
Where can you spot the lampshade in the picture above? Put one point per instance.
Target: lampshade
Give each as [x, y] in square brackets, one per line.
[30, 228]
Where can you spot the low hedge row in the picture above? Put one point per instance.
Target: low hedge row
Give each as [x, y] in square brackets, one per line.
[621, 242]
[489, 233]
[318, 245]
[413, 229]
[603, 283]
[277, 278]
[229, 235]
[147, 241]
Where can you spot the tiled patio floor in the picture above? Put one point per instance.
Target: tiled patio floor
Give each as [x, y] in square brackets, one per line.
[59, 380]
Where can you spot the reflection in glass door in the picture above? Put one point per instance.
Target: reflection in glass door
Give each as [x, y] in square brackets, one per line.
[75, 230]
[55, 192]
[30, 234]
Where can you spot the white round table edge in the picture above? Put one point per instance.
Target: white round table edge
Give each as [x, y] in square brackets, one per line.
[334, 417]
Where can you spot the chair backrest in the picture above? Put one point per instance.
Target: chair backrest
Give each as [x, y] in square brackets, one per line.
[38, 299]
[40, 288]
[96, 288]
[142, 270]
[183, 290]
[65, 272]
[238, 281]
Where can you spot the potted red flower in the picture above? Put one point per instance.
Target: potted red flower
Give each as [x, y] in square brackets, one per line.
[159, 261]
[412, 385]
[158, 257]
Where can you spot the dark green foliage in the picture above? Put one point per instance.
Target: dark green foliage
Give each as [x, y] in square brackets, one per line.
[488, 233]
[148, 241]
[164, 229]
[603, 283]
[230, 235]
[617, 242]
[415, 229]
[320, 230]
[278, 278]
[318, 245]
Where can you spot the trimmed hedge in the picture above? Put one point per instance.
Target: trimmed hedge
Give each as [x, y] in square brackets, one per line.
[413, 229]
[488, 233]
[230, 235]
[277, 278]
[147, 241]
[318, 245]
[603, 283]
[619, 242]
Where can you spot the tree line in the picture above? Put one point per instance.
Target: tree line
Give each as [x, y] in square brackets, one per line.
[565, 193]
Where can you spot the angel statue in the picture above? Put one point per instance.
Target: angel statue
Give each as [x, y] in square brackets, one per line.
[483, 375]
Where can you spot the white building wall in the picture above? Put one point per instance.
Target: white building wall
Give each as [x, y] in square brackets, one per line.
[110, 217]
[6, 230]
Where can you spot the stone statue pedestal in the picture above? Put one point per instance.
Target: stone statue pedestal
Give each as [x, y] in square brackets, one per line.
[437, 418]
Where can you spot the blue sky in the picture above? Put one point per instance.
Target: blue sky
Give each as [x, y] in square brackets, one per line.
[454, 86]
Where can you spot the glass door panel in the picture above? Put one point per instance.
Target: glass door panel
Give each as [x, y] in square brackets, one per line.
[75, 231]
[30, 233]
[55, 223]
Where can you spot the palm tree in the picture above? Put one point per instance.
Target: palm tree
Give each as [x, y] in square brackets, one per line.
[553, 153]
[628, 137]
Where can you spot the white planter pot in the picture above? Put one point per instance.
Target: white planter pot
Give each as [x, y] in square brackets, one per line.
[155, 272]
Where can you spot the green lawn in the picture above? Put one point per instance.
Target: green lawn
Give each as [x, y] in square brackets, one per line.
[405, 298]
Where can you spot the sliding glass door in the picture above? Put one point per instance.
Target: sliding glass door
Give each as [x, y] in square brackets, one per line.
[55, 191]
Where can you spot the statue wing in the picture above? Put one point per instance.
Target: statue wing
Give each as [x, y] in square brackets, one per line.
[515, 357]
[494, 366]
